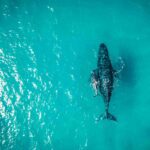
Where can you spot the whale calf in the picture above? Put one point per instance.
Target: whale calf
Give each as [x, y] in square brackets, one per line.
[105, 76]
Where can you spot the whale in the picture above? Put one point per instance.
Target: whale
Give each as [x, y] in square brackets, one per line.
[105, 76]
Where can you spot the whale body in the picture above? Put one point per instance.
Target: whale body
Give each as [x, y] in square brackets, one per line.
[106, 80]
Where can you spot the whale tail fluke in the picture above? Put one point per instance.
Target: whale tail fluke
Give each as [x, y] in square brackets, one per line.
[107, 116]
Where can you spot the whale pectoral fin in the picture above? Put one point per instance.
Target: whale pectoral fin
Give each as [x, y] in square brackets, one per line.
[115, 73]
[91, 75]
[121, 65]
[94, 75]
[94, 81]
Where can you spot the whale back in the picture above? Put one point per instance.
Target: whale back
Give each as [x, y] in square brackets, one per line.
[105, 72]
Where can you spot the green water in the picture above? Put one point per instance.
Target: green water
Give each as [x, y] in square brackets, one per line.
[47, 51]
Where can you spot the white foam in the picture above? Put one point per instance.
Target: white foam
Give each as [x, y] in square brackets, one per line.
[34, 85]
[68, 93]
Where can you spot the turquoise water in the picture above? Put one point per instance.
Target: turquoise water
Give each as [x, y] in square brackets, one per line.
[47, 51]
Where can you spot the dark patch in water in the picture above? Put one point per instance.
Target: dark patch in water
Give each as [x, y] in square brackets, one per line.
[128, 79]
[128, 75]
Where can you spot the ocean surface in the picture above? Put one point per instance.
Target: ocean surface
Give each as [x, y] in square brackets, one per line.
[47, 51]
